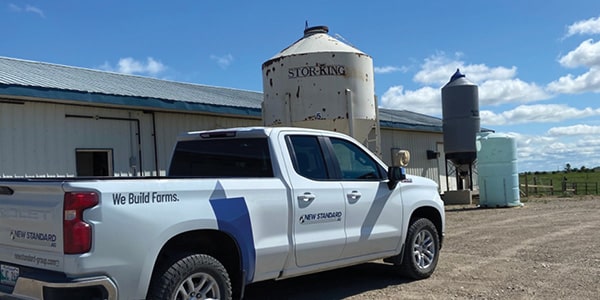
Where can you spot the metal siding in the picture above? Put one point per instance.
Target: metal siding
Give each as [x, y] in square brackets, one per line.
[40, 141]
[9, 133]
[30, 145]
[417, 143]
[147, 134]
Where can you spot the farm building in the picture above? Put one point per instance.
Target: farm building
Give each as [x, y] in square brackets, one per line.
[63, 121]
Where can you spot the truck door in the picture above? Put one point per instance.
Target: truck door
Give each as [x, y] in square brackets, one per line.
[318, 204]
[373, 219]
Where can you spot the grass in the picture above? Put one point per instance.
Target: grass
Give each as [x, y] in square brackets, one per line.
[580, 183]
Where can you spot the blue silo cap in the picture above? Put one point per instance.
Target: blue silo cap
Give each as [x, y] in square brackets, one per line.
[456, 75]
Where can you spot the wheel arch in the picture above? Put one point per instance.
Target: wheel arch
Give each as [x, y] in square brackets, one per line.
[215, 243]
[431, 213]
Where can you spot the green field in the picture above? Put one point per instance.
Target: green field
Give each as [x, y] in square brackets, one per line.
[562, 183]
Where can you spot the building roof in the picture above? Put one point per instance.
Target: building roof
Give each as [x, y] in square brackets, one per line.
[51, 81]
[23, 78]
[404, 119]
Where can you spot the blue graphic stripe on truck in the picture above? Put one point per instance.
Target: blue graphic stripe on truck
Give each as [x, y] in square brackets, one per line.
[233, 217]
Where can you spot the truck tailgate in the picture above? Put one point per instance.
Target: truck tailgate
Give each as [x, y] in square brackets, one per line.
[31, 224]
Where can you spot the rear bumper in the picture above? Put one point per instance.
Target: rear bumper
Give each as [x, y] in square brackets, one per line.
[99, 287]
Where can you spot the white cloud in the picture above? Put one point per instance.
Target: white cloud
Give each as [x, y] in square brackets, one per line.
[389, 69]
[496, 85]
[489, 118]
[437, 70]
[129, 65]
[28, 8]
[557, 152]
[426, 100]
[580, 129]
[35, 10]
[570, 84]
[589, 26]
[223, 61]
[587, 54]
[540, 113]
[496, 92]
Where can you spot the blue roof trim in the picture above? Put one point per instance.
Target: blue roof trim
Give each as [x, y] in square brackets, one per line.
[141, 102]
[145, 102]
[400, 125]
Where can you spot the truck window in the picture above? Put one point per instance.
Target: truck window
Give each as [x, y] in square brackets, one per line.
[354, 163]
[240, 157]
[308, 157]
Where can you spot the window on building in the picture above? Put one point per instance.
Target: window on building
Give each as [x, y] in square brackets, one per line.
[94, 162]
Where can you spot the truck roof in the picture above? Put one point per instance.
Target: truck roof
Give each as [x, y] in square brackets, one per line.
[254, 131]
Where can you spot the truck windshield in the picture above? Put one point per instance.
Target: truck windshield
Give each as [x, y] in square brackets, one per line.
[240, 157]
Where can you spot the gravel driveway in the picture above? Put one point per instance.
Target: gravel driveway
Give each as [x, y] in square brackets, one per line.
[548, 249]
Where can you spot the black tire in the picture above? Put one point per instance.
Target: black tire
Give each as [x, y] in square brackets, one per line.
[195, 275]
[421, 250]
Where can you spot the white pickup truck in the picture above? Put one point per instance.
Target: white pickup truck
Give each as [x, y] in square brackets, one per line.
[238, 206]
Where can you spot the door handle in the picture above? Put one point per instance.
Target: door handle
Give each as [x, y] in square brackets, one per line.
[306, 197]
[354, 195]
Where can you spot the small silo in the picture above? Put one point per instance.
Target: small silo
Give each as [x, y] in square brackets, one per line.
[321, 82]
[460, 123]
[498, 177]
[460, 114]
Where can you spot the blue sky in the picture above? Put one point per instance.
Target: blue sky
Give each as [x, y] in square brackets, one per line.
[537, 63]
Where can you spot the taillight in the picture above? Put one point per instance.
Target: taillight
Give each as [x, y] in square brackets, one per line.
[77, 234]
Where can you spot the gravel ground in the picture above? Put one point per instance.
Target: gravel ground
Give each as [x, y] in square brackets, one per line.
[547, 249]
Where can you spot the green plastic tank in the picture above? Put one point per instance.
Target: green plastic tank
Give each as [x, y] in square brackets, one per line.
[498, 177]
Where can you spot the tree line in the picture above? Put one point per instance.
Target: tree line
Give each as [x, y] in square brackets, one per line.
[567, 169]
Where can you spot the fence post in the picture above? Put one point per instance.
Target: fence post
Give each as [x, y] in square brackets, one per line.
[551, 187]
[526, 186]
[535, 190]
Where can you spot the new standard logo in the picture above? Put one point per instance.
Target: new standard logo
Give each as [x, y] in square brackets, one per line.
[34, 238]
[324, 217]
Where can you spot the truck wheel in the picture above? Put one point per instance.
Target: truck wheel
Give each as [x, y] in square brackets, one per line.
[197, 276]
[421, 250]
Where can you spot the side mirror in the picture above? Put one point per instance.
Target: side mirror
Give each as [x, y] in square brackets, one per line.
[395, 175]
[396, 172]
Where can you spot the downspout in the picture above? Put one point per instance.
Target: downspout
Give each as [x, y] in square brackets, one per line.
[156, 168]
[350, 106]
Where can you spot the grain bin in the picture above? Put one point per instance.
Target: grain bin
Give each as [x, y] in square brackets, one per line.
[497, 165]
[460, 119]
[460, 125]
[321, 82]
